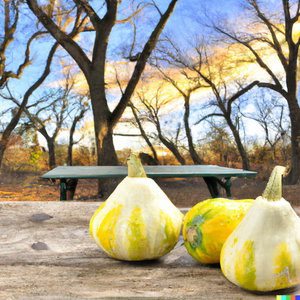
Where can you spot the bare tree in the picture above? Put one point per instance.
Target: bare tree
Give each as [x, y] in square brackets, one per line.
[93, 67]
[268, 31]
[82, 108]
[138, 121]
[219, 141]
[272, 117]
[11, 21]
[207, 67]
[176, 59]
[152, 108]
[78, 27]
[48, 115]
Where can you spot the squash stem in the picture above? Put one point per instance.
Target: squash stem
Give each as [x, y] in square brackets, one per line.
[273, 190]
[135, 168]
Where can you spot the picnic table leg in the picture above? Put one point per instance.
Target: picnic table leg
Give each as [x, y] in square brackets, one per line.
[226, 185]
[70, 188]
[63, 189]
[212, 184]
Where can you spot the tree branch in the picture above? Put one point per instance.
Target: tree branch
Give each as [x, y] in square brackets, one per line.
[141, 63]
[256, 55]
[64, 39]
[276, 44]
[10, 74]
[239, 94]
[134, 14]
[96, 21]
[208, 116]
[273, 87]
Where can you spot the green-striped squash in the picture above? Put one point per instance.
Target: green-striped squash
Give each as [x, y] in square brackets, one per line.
[137, 221]
[263, 252]
[209, 223]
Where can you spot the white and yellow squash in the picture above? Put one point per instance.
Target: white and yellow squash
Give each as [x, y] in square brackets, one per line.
[263, 252]
[137, 221]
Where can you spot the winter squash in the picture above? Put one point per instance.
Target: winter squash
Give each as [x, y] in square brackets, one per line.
[263, 252]
[209, 223]
[137, 221]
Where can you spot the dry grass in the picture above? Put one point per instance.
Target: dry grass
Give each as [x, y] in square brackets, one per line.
[28, 186]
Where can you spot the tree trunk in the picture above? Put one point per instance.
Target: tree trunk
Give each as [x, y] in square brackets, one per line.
[241, 149]
[51, 148]
[195, 157]
[103, 124]
[173, 149]
[70, 153]
[2, 150]
[106, 157]
[106, 153]
[71, 140]
[70, 146]
[291, 97]
[9, 128]
[294, 175]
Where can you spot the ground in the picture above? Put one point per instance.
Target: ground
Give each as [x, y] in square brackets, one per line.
[24, 186]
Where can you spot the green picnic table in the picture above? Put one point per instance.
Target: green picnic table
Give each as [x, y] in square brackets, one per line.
[211, 174]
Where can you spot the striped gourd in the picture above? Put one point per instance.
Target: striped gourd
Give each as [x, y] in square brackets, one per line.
[137, 221]
[209, 223]
[263, 253]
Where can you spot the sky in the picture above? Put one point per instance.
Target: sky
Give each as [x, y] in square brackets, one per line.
[181, 24]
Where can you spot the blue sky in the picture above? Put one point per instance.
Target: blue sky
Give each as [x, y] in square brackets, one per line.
[181, 24]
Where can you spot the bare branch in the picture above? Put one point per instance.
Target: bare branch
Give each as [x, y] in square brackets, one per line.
[141, 63]
[256, 55]
[208, 116]
[27, 62]
[240, 93]
[134, 14]
[64, 39]
[118, 81]
[96, 21]
[276, 45]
